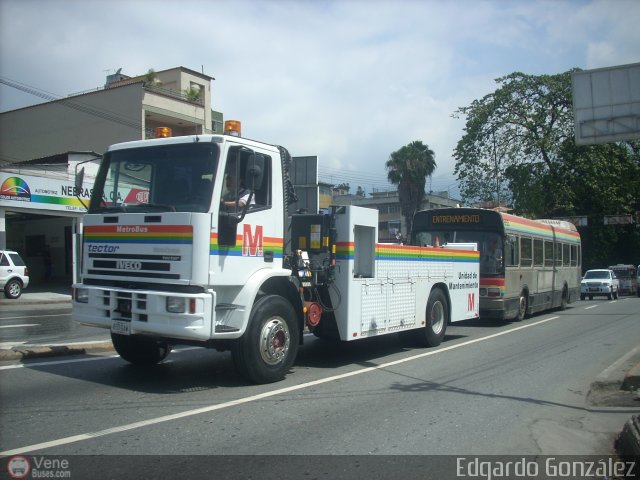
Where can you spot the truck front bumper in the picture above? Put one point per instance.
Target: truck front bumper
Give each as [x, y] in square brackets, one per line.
[145, 312]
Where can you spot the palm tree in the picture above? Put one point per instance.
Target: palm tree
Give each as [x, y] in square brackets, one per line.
[408, 168]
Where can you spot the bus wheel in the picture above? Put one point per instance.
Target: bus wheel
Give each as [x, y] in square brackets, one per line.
[582, 297]
[437, 318]
[269, 346]
[565, 299]
[140, 350]
[522, 307]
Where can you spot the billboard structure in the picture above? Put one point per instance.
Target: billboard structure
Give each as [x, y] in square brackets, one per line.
[606, 104]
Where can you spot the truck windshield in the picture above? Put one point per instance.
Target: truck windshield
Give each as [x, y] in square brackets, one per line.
[174, 177]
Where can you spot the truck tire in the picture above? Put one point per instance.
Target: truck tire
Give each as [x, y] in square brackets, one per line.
[437, 317]
[269, 346]
[140, 350]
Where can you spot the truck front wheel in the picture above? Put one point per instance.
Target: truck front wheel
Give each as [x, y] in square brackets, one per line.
[140, 350]
[269, 347]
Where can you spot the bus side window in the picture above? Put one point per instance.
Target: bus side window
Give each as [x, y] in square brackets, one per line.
[538, 253]
[574, 255]
[526, 252]
[512, 253]
[548, 254]
[566, 255]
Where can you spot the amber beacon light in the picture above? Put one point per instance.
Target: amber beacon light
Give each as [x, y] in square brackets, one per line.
[232, 127]
[163, 132]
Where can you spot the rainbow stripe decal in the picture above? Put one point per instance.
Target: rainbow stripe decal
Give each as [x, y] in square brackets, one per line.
[345, 251]
[139, 234]
[531, 227]
[493, 283]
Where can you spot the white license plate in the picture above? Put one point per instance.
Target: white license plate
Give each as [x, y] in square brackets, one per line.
[121, 328]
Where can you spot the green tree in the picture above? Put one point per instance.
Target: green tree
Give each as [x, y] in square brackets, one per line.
[408, 168]
[514, 135]
[192, 93]
[150, 77]
[343, 186]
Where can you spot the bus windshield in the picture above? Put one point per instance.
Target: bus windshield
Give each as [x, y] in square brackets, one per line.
[490, 245]
[177, 177]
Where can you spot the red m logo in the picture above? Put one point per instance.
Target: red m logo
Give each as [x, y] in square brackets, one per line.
[252, 244]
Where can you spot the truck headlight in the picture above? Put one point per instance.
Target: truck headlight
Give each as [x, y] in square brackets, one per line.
[176, 304]
[81, 295]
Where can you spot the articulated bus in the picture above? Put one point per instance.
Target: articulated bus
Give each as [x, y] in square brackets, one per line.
[526, 266]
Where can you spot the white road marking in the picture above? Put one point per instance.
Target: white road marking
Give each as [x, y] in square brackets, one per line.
[22, 325]
[254, 398]
[36, 316]
[592, 306]
[76, 360]
[59, 362]
[10, 345]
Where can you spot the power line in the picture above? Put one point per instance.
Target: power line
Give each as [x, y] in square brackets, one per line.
[79, 106]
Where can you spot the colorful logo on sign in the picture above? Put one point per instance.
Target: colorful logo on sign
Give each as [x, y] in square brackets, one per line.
[13, 188]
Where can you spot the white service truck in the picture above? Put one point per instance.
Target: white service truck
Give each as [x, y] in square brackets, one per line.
[166, 262]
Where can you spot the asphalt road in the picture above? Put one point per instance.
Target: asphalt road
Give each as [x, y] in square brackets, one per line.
[489, 389]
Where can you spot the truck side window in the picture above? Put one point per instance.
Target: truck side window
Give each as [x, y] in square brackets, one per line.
[247, 179]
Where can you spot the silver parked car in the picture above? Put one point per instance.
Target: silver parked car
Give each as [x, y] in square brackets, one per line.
[599, 282]
[14, 274]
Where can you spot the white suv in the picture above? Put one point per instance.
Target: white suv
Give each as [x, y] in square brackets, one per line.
[14, 274]
[599, 282]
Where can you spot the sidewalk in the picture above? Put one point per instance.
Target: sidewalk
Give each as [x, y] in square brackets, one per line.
[40, 295]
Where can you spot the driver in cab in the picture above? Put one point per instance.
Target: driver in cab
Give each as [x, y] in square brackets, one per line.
[233, 194]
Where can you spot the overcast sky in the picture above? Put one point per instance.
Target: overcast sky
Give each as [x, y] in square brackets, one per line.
[348, 81]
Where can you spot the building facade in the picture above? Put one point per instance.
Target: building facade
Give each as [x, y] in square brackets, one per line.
[42, 145]
[126, 108]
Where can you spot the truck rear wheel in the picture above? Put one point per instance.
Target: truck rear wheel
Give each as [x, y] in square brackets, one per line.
[437, 317]
[140, 350]
[269, 347]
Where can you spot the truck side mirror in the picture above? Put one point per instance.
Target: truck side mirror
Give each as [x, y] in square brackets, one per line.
[79, 180]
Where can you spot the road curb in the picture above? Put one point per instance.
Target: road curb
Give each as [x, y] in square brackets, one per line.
[41, 351]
